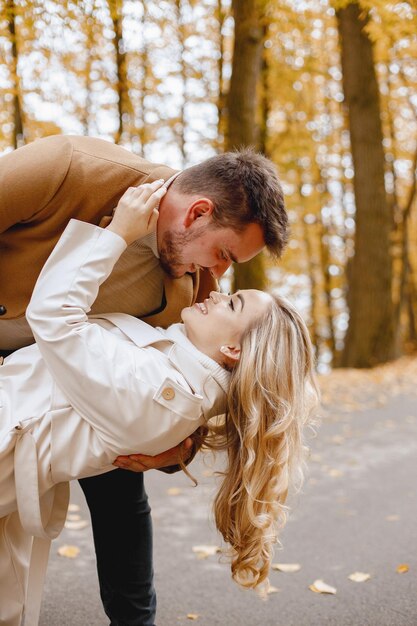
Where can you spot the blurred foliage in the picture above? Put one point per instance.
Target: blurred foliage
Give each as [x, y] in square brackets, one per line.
[60, 72]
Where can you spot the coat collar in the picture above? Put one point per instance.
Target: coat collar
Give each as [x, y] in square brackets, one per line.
[205, 377]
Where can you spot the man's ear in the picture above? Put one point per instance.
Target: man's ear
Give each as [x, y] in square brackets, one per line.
[202, 207]
[231, 354]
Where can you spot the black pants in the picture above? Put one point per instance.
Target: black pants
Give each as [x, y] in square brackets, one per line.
[122, 528]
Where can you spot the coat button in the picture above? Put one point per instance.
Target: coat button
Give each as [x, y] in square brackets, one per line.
[3, 309]
[168, 393]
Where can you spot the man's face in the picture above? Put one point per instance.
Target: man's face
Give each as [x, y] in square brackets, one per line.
[205, 245]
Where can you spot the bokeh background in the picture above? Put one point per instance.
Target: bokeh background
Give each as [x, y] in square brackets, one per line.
[326, 89]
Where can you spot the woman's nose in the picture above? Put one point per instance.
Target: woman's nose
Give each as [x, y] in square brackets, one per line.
[216, 296]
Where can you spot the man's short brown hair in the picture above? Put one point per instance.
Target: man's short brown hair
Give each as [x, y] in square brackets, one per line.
[244, 188]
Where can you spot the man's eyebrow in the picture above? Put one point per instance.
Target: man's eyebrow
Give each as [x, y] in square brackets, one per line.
[239, 295]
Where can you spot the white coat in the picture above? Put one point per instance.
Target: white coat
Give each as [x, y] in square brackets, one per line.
[91, 389]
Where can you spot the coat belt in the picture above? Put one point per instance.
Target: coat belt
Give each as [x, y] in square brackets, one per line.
[29, 507]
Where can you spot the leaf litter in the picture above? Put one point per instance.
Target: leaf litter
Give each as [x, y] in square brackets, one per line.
[319, 586]
[70, 552]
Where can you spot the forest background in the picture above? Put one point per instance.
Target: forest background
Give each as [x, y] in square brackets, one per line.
[325, 88]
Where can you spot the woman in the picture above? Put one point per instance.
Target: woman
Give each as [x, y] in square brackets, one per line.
[92, 389]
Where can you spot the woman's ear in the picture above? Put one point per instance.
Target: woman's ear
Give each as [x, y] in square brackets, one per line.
[231, 353]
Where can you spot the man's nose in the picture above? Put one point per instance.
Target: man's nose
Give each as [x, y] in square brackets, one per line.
[219, 269]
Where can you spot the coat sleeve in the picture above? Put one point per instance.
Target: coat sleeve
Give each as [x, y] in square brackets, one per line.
[30, 177]
[114, 385]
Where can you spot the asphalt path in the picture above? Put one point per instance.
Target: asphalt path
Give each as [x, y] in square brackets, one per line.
[357, 512]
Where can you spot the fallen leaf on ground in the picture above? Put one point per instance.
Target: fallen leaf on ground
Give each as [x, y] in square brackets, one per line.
[288, 568]
[335, 473]
[192, 616]
[73, 508]
[174, 491]
[359, 577]
[319, 586]
[69, 551]
[392, 518]
[82, 523]
[403, 568]
[73, 517]
[363, 389]
[315, 458]
[204, 551]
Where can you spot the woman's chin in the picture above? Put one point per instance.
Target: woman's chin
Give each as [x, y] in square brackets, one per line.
[184, 313]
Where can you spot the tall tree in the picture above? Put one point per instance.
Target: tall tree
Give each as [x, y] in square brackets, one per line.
[183, 76]
[18, 134]
[242, 108]
[221, 15]
[122, 87]
[370, 338]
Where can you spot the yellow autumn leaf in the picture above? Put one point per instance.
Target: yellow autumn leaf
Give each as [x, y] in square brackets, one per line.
[204, 551]
[174, 491]
[335, 473]
[288, 568]
[319, 586]
[71, 552]
[78, 525]
[359, 577]
[192, 616]
[402, 568]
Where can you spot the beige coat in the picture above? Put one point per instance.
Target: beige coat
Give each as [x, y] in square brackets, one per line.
[45, 184]
[118, 386]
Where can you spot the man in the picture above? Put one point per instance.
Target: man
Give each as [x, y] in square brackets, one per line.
[223, 210]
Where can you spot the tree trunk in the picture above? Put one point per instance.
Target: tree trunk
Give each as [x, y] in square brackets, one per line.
[242, 109]
[18, 134]
[324, 238]
[370, 338]
[123, 104]
[221, 16]
[265, 100]
[182, 36]
[144, 88]
[313, 325]
[89, 35]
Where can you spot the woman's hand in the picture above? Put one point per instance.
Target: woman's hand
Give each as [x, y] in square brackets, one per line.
[136, 215]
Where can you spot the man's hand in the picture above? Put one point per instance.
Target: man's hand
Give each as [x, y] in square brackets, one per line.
[143, 463]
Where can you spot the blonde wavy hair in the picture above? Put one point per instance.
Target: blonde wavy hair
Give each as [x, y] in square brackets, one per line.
[272, 394]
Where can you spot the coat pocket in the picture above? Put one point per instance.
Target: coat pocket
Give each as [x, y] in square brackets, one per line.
[174, 397]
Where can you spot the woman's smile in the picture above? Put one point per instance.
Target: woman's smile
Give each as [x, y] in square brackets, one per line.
[201, 307]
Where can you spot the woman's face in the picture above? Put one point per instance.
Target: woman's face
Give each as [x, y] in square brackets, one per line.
[216, 325]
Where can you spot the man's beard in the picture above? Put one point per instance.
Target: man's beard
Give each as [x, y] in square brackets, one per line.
[170, 254]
